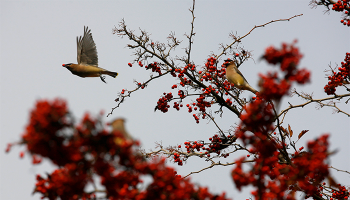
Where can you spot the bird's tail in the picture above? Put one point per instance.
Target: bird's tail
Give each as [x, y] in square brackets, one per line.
[112, 74]
[250, 88]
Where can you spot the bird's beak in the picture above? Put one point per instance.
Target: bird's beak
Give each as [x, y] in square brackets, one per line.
[63, 65]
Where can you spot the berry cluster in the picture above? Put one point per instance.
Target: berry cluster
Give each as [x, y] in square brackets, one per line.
[192, 146]
[339, 78]
[155, 68]
[85, 151]
[340, 6]
[212, 71]
[196, 118]
[219, 143]
[181, 94]
[202, 104]
[216, 144]
[162, 103]
[181, 72]
[274, 179]
[288, 57]
[177, 106]
[341, 193]
[273, 87]
[65, 183]
[177, 159]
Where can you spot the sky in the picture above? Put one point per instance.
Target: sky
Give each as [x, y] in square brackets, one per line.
[37, 37]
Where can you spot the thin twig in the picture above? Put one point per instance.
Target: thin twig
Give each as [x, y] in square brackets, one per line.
[191, 34]
[315, 100]
[339, 170]
[239, 39]
[214, 164]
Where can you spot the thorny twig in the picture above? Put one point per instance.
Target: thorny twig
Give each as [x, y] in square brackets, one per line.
[319, 101]
[190, 41]
[131, 91]
[339, 170]
[212, 119]
[240, 38]
[214, 164]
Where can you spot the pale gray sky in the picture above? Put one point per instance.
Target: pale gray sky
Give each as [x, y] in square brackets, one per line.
[37, 37]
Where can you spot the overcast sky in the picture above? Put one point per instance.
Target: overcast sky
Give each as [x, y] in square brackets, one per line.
[37, 37]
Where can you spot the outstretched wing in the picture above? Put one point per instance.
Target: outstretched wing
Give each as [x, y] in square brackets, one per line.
[87, 53]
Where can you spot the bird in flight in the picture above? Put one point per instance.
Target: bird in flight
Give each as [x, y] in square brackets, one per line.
[87, 59]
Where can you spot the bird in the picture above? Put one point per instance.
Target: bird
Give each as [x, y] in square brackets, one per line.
[87, 59]
[118, 126]
[233, 75]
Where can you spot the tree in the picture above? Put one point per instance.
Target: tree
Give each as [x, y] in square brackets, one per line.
[279, 168]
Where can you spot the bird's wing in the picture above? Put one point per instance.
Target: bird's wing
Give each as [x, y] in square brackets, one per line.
[239, 72]
[87, 53]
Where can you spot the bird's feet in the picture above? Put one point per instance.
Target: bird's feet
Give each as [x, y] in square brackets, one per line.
[103, 78]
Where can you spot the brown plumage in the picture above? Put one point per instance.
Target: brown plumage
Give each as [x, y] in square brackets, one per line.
[233, 75]
[119, 126]
[87, 59]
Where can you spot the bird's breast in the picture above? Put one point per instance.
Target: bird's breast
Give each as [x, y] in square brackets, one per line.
[235, 79]
[86, 70]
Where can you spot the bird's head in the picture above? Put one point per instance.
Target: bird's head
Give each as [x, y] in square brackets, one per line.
[228, 62]
[67, 65]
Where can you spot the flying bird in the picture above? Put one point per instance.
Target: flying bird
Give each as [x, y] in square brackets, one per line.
[233, 75]
[87, 59]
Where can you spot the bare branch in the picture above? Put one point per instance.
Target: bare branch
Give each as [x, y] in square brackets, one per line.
[240, 38]
[212, 119]
[129, 92]
[339, 170]
[319, 101]
[190, 40]
[214, 164]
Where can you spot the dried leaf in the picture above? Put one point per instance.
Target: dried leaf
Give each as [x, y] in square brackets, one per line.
[283, 130]
[302, 133]
[290, 131]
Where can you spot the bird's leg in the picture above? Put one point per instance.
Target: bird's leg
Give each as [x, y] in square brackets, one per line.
[102, 78]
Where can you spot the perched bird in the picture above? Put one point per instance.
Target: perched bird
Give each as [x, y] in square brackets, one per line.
[87, 59]
[118, 125]
[233, 75]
